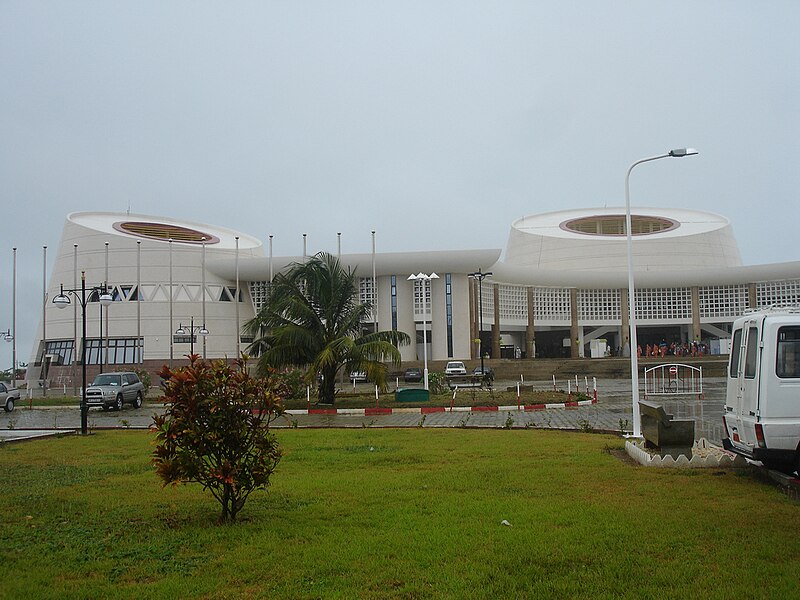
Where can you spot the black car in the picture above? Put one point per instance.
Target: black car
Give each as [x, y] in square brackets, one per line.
[486, 373]
[412, 375]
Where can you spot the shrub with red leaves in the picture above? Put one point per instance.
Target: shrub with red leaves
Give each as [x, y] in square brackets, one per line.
[215, 430]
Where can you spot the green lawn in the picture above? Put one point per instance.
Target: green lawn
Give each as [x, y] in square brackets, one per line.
[411, 513]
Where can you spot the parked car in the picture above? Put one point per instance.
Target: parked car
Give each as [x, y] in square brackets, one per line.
[456, 374]
[114, 390]
[9, 396]
[486, 373]
[412, 375]
[455, 368]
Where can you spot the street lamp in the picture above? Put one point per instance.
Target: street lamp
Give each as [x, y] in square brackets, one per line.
[192, 331]
[678, 153]
[62, 301]
[480, 276]
[8, 336]
[426, 279]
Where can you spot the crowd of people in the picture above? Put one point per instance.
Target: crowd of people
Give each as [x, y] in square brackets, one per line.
[663, 349]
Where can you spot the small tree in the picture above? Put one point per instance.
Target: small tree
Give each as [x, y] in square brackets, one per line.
[215, 430]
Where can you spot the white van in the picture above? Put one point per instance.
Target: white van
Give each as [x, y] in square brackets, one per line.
[762, 403]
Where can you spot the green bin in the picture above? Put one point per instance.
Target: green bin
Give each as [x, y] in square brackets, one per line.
[412, 395]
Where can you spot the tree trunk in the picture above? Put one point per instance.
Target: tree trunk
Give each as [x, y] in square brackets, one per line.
[226, 501]
[327, 389]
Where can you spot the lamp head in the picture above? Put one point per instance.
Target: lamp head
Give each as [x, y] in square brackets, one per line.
[62, 300]
[680, 152]
[480, 275]
[180, 330]
[203, 331]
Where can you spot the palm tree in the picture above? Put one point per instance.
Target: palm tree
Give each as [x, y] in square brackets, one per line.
[312, 319]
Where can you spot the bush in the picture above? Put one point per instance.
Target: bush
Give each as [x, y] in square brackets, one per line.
[144, 377]
[294, 380]
[437, 384]
[215, 430]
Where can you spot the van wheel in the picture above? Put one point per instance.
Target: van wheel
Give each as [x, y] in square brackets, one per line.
[137, 403]
[118, 405]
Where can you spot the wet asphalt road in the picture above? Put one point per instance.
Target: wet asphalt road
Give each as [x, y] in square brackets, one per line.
[611, 413]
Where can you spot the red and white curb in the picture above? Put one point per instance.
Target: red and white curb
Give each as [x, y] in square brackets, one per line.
[426, 410]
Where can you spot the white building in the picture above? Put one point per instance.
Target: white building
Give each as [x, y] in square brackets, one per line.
[561, 284]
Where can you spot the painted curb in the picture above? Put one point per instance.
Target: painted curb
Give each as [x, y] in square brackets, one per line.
[426, 410]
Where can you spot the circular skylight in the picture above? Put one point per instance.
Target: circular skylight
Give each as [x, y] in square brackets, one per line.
[614, 225]
[165, 232]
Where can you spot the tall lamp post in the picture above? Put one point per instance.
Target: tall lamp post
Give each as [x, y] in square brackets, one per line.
[426, 279]
[62, 301]
[201, 329]
[480, 276]
[678, 153]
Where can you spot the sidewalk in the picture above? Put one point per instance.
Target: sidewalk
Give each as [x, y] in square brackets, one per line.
[611, 413]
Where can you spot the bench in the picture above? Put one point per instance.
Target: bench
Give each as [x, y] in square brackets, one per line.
[660, 430]
[469, 381]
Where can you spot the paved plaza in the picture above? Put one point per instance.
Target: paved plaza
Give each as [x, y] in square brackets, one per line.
[612, 413]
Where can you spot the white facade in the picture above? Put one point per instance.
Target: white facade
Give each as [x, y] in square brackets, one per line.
[138, 265]
[563, 276]
[594, 240]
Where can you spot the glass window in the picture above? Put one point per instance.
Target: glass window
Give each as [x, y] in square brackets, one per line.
[736, 347]
[449, 310]
[787, 364]
[751, 356]
[113, 351]
[62, 349]
[394, 302]
[428, 335]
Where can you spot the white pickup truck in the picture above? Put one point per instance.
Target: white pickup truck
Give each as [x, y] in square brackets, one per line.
[9, 396]
[456, 373]
[762, 403]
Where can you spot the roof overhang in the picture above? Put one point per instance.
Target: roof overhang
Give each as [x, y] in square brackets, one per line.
[391, 263]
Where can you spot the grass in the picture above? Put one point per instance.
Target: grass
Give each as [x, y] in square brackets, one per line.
[375, 513]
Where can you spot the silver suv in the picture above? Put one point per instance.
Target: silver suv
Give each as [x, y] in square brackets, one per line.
[113, 390]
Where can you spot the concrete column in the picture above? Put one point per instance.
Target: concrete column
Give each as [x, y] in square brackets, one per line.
[496, 326]
[573, 329]
[625, 333]
[530, 332]
[696, 332]
[752, 296]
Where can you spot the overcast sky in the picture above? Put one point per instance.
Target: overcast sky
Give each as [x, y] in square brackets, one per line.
[434, 123]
